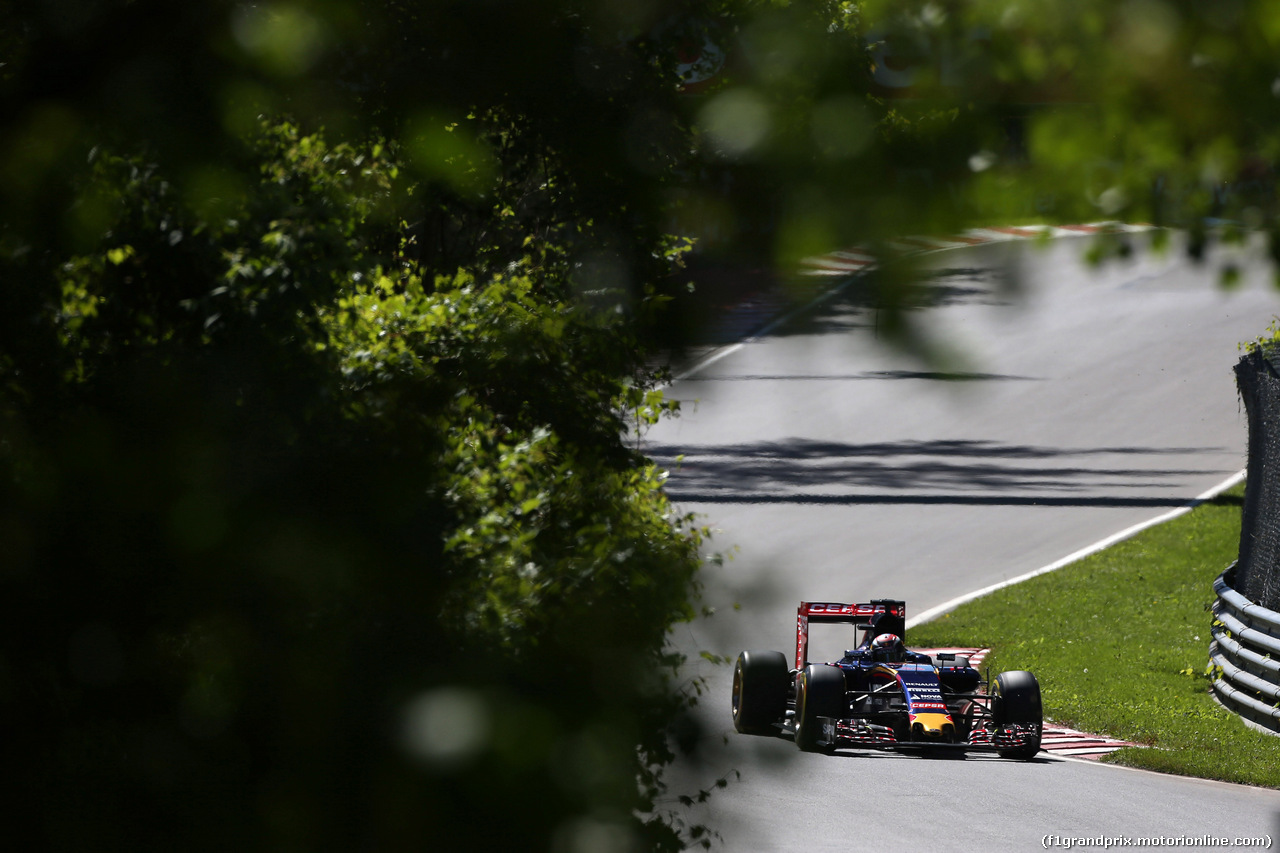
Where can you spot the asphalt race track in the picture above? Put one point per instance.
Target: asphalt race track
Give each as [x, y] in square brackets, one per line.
[837, 468]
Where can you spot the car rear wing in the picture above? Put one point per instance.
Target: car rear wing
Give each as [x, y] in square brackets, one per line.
[879, 616]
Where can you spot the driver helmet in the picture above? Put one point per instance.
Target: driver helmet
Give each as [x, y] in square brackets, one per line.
[888, 648]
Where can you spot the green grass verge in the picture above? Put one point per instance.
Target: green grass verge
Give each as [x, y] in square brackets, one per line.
[1120, 644]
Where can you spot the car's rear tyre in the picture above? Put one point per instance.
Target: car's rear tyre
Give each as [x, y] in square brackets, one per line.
[1015, 700]
[819, 693]
[760, 683]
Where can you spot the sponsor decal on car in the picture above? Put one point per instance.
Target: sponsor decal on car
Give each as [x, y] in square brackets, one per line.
[925, 704]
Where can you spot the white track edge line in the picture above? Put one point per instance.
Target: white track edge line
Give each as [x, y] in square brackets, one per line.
[1127, 533]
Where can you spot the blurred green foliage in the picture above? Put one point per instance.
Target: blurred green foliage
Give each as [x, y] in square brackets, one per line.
[327, 328]
[303, 551]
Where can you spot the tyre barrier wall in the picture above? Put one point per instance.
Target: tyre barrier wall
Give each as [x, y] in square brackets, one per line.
[1257, 568]
[1245, 654]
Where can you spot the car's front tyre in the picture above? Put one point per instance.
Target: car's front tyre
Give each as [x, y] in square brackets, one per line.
[819, 693]
[1015, 702]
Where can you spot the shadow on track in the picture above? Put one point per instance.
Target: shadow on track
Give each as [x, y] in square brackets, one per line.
[921, 473]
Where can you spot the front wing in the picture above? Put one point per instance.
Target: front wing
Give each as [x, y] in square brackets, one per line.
[862, 734]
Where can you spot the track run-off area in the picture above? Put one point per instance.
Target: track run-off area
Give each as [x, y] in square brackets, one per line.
[1079, 401]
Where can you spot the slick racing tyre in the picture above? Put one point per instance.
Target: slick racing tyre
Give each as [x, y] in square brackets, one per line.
[760, 682]
[819, 693]
[1015, 701]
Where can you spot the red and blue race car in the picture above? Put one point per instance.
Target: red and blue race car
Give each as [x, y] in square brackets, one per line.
[880, 695]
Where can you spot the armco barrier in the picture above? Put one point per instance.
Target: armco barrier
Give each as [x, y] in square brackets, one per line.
[1246, 654]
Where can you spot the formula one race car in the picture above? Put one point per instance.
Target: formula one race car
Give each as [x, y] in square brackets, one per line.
[882, 696]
